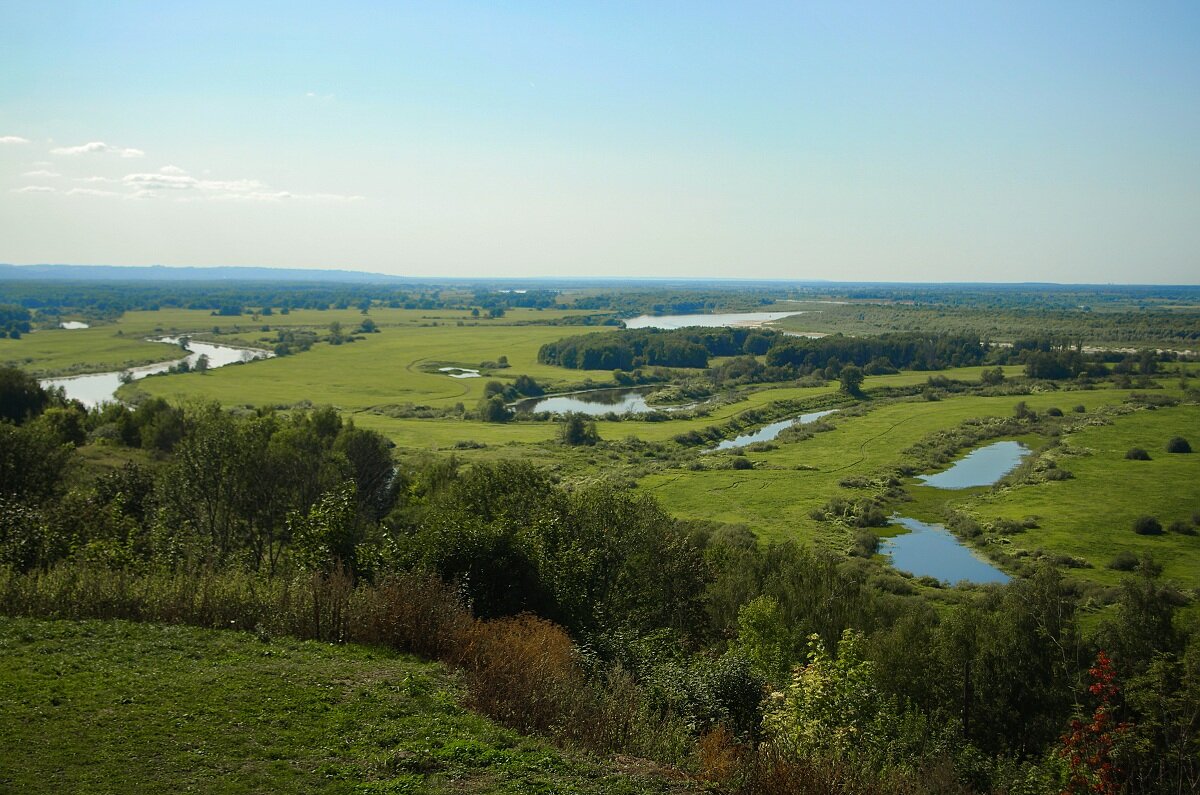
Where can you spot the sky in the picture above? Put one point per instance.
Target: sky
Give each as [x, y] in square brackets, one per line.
[949, 141]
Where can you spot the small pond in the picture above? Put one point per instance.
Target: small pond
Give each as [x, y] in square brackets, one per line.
[73, 324]
[981, 467]
[96, 388]
[459, 372]
[708, 321]
[595, 402]
[932, 550]
[769, 432]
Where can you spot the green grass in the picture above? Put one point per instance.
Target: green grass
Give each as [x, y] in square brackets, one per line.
[776, 497]
[1091, 516]
[113, 707]
[122, 343]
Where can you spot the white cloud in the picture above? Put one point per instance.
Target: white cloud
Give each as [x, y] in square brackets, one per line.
[152, 182]
[41, 172]
[13, 139]
[95, 179]
[34, 189]
[172, 170]
[91, 192]
[94, 147]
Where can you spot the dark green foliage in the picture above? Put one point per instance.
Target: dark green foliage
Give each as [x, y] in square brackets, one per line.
[1124, 561]
[741, 462]
[852, 379]
[1177, 444]
[1054, 411]
[578, 430]
[492, 409]
[33, 460]
[1182, 527]
[1137, 454]
[908, 351]
[21, 397]
[1147, 526]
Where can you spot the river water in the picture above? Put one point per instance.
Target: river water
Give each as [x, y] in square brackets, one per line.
[932, 550]
[96, 388]
[981, 467]
[769, 432]
[708, 321]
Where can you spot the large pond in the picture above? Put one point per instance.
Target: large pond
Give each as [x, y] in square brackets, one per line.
[596, 402]
[96, 388]
[709, 321]
[73, 324]
[932, 550]
[981, 467]
[769, 432]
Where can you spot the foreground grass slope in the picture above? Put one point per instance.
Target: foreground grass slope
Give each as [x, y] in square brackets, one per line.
[116, 707]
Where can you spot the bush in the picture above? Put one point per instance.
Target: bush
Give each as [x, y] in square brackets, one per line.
[741, 462]
[1177, 444]
[1137, 454]
[1183, 527]
[1080, 409]
[1147, 526]
[1124, 561]
[1054, 411]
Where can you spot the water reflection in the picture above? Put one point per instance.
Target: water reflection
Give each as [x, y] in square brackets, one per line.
[596, 402]
[708, 321]
[769, 432]
[96, 388]
[932, 550]
[981, 467]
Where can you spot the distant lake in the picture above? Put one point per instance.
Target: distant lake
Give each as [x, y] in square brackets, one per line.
[932, 550]
[96, 388]
[596, 402]
[769, 432]
[73, 324]
[708, 321]
[981, 467]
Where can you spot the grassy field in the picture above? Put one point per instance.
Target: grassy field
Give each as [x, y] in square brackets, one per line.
[776, 497]
[122, 343]
[114, 707]
[1091, 516]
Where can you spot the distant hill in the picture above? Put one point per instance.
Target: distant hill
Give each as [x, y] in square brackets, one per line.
[161, 273]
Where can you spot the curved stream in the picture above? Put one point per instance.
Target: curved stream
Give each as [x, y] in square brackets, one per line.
[95, 388]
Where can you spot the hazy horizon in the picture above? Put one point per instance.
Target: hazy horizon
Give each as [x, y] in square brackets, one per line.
[870, 142]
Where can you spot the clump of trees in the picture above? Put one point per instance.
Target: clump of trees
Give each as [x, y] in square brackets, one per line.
[1137, 454]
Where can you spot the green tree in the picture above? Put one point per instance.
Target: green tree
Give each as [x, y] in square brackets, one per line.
[577, 430]
[851, 377]
[21, 397]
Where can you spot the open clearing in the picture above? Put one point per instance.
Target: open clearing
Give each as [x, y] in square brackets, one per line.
[115, 707]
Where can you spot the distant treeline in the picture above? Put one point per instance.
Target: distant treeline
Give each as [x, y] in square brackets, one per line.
[791, 356]
[110, 299]
[632, 348]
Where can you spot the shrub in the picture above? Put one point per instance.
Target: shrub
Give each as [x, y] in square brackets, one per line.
[741, 462]
[1177, 444]
[1147, 526]
[1054, 411]
[1137, 454]
[1080, 409]
[1124, 561]
[1183, 527]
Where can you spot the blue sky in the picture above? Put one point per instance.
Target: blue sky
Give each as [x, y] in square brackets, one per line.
[902, 141]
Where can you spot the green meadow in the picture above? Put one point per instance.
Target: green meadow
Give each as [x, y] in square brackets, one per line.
[382, 379]
[117, 707]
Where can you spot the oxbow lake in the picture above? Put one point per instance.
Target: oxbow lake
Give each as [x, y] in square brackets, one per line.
[769, 432]
[981, 467]
[708, 321]
[596, 402]
[73, 324]
[932, 550]
[96, 388]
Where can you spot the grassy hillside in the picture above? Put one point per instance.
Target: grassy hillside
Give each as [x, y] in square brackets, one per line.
[117, 707]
